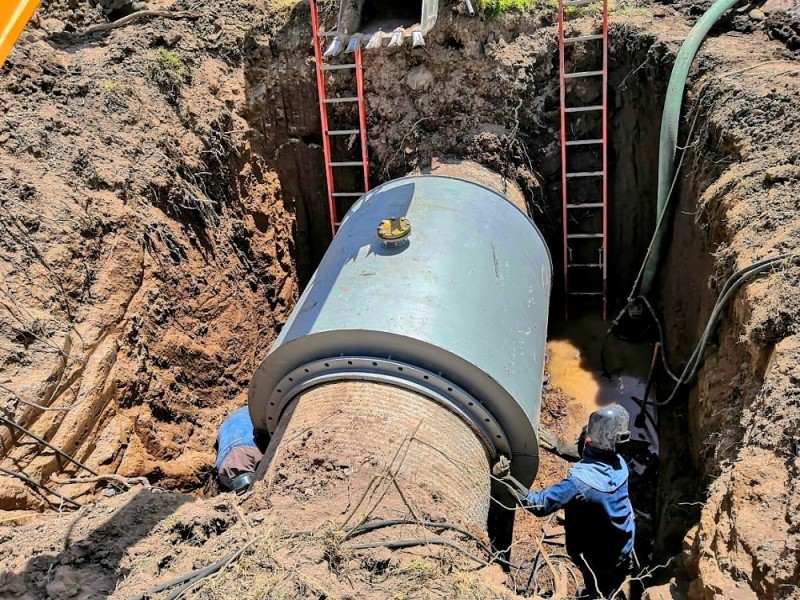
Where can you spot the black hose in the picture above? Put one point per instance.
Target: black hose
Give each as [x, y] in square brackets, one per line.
[399, 544]
[737, 280]
[733, 283]
[30, 481]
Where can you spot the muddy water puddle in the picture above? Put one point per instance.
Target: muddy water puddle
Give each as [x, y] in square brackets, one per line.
[575, 368]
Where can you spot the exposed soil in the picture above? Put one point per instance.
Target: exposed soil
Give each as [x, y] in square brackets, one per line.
[148, 256]
[161, 203]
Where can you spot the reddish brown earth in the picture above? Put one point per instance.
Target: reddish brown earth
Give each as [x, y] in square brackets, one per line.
[147, 254]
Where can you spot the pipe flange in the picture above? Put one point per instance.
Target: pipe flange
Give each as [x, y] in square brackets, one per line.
[394, 232]
[386, 370]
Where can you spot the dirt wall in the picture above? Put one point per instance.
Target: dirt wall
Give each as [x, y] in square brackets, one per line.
[147, 252]
[161, 199]
[738, 203]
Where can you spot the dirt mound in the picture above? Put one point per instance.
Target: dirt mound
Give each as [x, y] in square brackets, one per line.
[295, 528]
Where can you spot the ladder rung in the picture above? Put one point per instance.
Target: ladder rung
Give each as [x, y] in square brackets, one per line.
[583, 142]
[586, 205]
[585, 174]
[354, 163]
[585, 294]
[574, 109]
[344, 131]
[582, 74]
[348, 194]
[337, 67]
[579, 2]
[582, 38]
[598, 265]
[585, 236]
[337, 100]
[327, 34]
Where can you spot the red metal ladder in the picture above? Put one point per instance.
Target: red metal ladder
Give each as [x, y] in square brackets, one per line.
[583, 241]
[325, 103]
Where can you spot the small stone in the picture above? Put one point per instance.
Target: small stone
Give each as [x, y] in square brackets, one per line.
[172, 37]
[52, 26]
[780, 173]
[419, 78]
[757, 15]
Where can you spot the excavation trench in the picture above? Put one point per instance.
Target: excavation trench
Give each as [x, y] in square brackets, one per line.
[450, 108]
[456, 114]
[481, 90]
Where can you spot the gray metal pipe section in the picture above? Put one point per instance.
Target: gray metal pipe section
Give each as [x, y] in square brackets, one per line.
[457, 312]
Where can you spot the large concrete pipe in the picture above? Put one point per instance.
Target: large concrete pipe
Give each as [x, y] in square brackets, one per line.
[441, 319]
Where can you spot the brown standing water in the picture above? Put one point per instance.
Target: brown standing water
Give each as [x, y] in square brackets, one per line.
[575, 368]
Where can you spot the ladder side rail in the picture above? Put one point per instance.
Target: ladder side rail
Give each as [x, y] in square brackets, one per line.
[564, 194]
[362, 116]
[605, 159]
[323, 115]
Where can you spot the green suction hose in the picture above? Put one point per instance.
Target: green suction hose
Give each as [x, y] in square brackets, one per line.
[670, 121]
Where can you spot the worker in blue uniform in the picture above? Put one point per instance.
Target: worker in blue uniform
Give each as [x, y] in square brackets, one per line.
[598, 516]
[238, 452]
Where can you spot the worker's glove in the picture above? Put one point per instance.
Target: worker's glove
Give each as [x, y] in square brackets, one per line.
[502, 472]
[552, 443]
[502, 467]
[549, 440]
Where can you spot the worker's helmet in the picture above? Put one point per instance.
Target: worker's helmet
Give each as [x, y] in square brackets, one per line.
[608, 428]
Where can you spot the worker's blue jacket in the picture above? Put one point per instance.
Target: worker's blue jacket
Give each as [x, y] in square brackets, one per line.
[237, 431]
[598, 514]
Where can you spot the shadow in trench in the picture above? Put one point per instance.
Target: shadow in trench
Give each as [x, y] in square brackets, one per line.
[89, 567]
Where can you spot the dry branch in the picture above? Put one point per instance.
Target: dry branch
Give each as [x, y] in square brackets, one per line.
[126, 481]
[137, 16]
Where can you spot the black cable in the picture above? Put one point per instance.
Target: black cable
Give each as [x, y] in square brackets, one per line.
[373, 525]
[399, 544]
[609, 331]
[193, 576]
[30, 481]
[661, 337]
[534, 570]
[58, 451]
[737, 280]
[189, 579]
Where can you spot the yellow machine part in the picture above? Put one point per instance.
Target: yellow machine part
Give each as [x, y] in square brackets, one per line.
[14, 15]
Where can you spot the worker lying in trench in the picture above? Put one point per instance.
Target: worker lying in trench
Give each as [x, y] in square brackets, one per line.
[598, 515]
[238, 452]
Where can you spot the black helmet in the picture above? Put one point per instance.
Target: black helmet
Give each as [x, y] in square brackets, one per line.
[607, 428]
